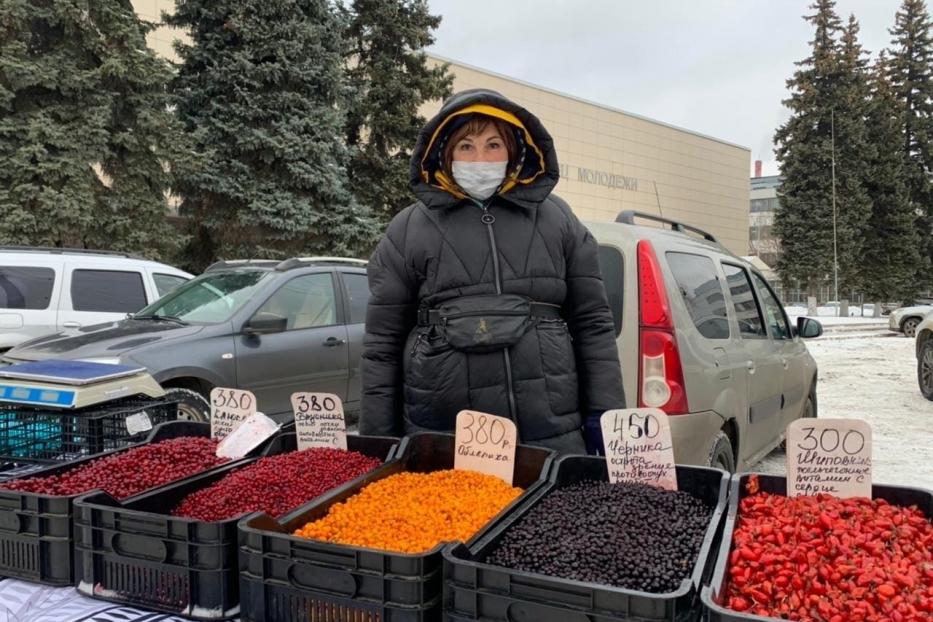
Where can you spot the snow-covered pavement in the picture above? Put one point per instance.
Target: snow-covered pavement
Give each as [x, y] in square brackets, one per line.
[874, 378]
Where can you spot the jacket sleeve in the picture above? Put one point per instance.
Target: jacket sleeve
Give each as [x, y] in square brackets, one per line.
[587, 312]
[390, 316]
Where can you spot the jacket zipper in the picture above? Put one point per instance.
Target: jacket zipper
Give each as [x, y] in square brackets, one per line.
[488, 220]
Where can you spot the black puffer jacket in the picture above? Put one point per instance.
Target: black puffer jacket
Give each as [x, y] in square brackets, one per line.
[439, 249]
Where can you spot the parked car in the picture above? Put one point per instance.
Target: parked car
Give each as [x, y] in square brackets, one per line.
[272, 327]
[906, 319]
[703, 336]
[925, 356]
[45, 290]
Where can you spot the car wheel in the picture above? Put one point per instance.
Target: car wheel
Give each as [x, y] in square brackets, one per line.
[720, 454]
[910, 326]
[191, 405]
[925, 369]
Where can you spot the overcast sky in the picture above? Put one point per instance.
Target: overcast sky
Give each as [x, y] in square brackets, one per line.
[713, 66]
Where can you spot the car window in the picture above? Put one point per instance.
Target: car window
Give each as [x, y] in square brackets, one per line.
[306, 302]
[167, 282]
[25, 287]
[210, 298]
[358, 294]
[777, 321]
[744, 302]
[610, 266]
[107, 291]
[702, 293]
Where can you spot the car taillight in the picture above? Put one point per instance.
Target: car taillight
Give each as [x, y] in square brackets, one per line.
[660, 373]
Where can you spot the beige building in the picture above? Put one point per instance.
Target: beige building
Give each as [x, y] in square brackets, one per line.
[610, 160]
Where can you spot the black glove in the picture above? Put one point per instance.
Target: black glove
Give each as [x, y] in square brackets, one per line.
[593, 434]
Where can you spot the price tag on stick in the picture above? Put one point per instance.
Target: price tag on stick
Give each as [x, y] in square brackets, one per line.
[230, 408]
[486, 444]
[638, 447]
[831, 456]
[319, 420]
[247, 436]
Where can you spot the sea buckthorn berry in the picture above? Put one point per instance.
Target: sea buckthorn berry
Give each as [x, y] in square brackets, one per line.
[414, 512]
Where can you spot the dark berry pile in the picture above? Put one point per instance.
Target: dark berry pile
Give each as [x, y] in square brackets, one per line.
[129, 472]
[276, 484]
[626, 535]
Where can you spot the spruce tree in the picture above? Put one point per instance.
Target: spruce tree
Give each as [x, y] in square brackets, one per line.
[261, 88]
[853, 151]
[804, 218]
[910, 72]
[892, 247]
[391, 79]
[145, 141]
[82, 117]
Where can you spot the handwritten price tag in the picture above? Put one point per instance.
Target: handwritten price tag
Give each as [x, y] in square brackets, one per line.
[319, 420]
[230, 408]
[486, 444]
[638, 447]
[247, 436]
[831, 456]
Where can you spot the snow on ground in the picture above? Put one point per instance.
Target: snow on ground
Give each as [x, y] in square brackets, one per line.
[875, 378]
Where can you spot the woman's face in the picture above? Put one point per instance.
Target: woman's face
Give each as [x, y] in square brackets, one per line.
[486, 146]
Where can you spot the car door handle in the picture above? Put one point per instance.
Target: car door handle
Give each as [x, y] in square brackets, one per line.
[750, 366]
[332, 342]
[784, 363]
[71, 324]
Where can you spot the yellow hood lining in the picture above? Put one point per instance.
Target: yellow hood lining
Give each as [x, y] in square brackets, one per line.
[448, 184]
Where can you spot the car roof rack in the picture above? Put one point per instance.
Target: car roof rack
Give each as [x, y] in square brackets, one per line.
[627, 217]
[234, 263]
[298, 262]
[55, 250]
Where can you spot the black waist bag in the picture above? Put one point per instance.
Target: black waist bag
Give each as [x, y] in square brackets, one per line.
[486, 323]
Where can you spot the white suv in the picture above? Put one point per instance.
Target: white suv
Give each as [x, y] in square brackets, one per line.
[45, 290]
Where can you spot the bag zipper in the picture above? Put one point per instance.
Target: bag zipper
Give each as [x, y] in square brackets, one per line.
[454, 316]
[488, 220]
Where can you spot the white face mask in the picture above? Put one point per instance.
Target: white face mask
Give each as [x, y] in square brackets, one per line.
[479, 179]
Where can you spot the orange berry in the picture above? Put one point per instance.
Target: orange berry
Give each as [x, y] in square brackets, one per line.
[414, 512]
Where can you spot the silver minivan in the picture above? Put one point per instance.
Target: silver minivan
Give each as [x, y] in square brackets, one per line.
[703, 336]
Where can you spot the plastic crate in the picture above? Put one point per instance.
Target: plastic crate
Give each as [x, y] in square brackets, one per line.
[285, 578]
[36, 537]
[475, 590]
[48, 435]
[135, 552]
[712, 594]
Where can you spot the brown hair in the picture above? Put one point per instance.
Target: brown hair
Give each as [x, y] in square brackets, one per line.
[477, 125]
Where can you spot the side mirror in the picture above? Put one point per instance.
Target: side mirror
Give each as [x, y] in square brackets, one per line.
[264, 323]
[808, 328]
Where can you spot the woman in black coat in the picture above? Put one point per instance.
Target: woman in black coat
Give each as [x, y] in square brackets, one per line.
[486, 293]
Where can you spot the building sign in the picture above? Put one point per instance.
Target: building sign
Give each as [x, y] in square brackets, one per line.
[600, 178]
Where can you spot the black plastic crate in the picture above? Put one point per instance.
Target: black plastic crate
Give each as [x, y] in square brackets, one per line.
[475, 590]
[135, 552]
[713, 593]
[285, 578]
[30, 434]
[36, 536]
